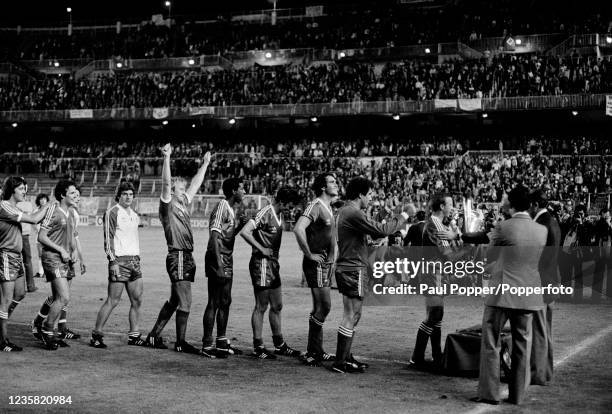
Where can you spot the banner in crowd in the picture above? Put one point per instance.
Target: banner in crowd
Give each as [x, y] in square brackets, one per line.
[445, 103]
[88, 206]
[314, 11]
[201, 110]
[470, 104]
[160, 113]
[609, 105]
[147, 206]
[81, 113]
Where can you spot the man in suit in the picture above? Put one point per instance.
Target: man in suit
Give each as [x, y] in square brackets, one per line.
[516, 247]
[542, 348]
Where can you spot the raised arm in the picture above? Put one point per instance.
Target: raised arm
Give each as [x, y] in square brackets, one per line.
[198, 179]
[166, 175]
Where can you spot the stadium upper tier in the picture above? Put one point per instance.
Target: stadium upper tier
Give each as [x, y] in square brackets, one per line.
[322, 28]
[502, 76]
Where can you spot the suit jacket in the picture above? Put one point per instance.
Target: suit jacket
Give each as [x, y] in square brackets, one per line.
[549, 261]
[516, 247]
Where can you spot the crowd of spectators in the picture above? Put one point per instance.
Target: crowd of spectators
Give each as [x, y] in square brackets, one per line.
[338, 29]
[346, 82]
[403, 171]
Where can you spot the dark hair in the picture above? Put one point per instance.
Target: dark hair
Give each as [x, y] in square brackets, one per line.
[420, 215]
[124, 186]
[358, 186]
[437, 201]
[39, 197]
[539, 197]
[10, 184]
[518, 198]
[604, 211]
[231, 185]
[60, 190]
[320, 182]
[287, 195]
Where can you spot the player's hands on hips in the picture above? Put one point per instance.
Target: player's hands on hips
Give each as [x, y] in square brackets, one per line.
[267, 252]
[166, 150]
[316, 257]
[207, 157]
[65, 256]
[114, 270]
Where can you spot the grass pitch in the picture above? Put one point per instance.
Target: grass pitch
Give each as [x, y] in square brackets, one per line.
[130, 379]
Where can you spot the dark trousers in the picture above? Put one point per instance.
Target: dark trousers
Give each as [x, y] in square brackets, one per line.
[570, 268]
[493, 321]
[26, 252]
[542, 347]
[603, 271]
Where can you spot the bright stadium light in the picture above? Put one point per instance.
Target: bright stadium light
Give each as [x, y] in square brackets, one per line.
[168, 4]
[193, 125]
[119, 65]
[574, 112]
[68, 9]
[609, 39]
[14, 124]
[342, 55]
[164, 122]
[427, 50]
[268, 55]
[485, 115]
[396, 117]
[56, 64]
[313, 119]
[518, 42]
[232, 121]
[191, 61]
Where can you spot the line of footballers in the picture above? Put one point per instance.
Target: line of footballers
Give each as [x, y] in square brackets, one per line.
[331, 245]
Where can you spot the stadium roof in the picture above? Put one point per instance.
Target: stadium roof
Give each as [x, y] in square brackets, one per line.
[41, 12]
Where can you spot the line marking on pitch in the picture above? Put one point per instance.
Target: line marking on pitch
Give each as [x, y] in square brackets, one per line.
[566, 356]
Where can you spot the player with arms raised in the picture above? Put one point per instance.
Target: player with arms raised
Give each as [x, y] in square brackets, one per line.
[175, 217]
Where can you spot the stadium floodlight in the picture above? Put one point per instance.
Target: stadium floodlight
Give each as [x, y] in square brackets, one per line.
[313, 119]
[518, 42]
[268, 55]
[68, 9]
[193, 125]
[167, 3]
[396, 117]
[191, 61]
[164, 122]
[427, 50]
[119, 65]
[232, 121]
[574, 112]
[609, 39]
[342, 55]
[14, 124]
[485, 115]
[56, 64]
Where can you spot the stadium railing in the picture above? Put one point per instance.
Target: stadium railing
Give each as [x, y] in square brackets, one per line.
[578, 101]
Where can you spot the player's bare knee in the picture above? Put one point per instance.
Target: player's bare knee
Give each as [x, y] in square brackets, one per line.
[276, 307]
[113, 302]
[260, 308]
